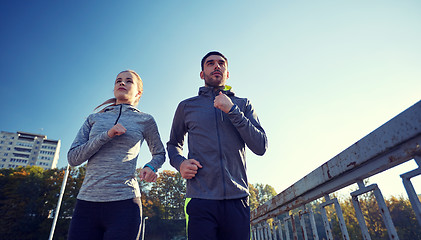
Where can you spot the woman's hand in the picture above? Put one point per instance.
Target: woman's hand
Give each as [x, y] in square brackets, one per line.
[116, 130]
[148, 175]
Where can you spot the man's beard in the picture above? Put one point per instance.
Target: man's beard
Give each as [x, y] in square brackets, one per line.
[212, 81]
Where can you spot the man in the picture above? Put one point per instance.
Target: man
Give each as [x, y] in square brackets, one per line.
[219, 125]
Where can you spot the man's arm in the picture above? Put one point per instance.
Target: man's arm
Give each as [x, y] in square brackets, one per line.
[187, 167]
[248, 125]
[176, 142]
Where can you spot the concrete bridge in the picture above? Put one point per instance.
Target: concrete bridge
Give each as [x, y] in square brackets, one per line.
[395, 142]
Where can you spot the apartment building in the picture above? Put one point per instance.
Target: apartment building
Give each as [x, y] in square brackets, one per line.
[28, 149]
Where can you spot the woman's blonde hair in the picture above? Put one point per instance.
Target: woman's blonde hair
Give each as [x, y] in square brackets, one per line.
[113, 101]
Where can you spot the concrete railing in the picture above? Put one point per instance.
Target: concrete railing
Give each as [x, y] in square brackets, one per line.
[395, 142]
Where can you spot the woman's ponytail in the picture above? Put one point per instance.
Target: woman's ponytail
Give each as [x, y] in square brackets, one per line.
[111, 101]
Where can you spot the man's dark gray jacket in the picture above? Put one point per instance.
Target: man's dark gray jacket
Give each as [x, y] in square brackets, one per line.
[217, 140]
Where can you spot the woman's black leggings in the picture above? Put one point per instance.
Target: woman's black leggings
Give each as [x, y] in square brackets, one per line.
[106, 220]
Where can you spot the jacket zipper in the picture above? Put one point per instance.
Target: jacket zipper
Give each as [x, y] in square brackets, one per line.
[220, 148]
[116, 121]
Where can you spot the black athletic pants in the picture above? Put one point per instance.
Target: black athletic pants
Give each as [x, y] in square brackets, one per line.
[106, 220]
[218, 219]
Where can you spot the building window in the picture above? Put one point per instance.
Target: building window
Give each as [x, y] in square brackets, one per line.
[24, 144]
[20, 155]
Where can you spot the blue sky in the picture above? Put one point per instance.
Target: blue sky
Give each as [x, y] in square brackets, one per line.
[321, 74]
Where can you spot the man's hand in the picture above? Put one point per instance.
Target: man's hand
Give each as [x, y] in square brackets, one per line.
[223, 102]
[189, 167]
[148, 175]
[116, 130]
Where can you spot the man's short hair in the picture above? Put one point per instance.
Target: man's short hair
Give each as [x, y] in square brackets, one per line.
[210, 54]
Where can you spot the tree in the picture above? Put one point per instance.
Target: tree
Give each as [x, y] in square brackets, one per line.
[165, 203]
[404, 218]
[259, 194]
[400, 209]
[27, 197]
[170, 190]
[22, 202]
[254, 203]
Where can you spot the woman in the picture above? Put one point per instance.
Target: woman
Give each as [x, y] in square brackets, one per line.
[108, 204]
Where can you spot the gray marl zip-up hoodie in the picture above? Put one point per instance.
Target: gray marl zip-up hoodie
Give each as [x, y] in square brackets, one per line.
[217, 140]
[111, 167]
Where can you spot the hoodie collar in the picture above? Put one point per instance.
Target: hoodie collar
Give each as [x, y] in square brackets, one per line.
[124, 107]
[211, 91]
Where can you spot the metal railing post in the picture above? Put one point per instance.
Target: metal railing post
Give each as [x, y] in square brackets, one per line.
[281, 235]
[313, 225]
[60, 198]
[384, 211]
[340, 216]
[274, 224]
[143, 227]
[265, 231]
[287, 236]
[294, 228]
[260, 232]
[269, 232]
[412, 194]
[359, 213]
[341, 219]
[310, 213]
[302, 222]
[326, 222]
[387, 218]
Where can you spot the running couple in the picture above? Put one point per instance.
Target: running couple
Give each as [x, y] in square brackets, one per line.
[218, 125]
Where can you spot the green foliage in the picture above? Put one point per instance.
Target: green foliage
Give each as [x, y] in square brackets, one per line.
[21, 204]
[164, 206]
[29, 195]
[169, 192]
[400, 209]
[259, 194]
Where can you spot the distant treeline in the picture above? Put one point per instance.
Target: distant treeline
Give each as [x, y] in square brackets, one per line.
[28, 199]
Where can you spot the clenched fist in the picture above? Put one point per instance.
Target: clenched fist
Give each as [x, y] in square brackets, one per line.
[223, 102]
[116, 130]
[189, 167]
